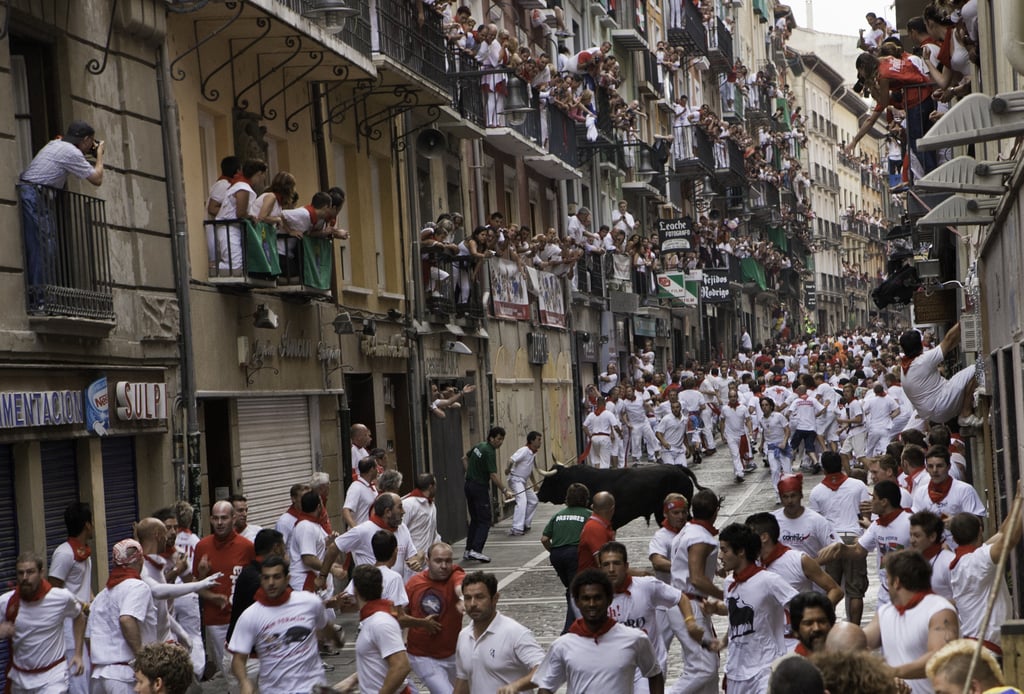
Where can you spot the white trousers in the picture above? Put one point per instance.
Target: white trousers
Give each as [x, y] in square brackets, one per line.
[674, 456]
[229, 247]
[600, 452]
[733, 442]
[643, 434]
[437, 673]
[526, 503]
[77, 684]
[700, 665]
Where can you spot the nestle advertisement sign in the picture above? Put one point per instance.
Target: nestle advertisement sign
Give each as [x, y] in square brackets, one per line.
[715, 287]
[675, 235]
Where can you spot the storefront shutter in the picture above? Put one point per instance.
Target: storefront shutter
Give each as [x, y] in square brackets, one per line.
[275, 453]
[60, 488]
[120, 489]
[8, 538]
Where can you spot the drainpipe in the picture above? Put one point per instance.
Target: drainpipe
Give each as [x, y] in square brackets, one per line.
[176, 219]
[478, 183]
[1013, 40]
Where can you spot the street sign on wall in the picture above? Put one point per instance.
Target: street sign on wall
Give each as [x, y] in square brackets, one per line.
[679, 287]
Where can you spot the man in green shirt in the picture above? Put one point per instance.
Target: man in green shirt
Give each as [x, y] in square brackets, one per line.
[561, 538]
[481, 464]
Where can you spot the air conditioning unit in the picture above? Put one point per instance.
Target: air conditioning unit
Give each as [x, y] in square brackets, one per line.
[970, 332]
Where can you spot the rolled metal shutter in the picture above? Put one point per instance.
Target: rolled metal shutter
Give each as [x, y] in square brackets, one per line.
[120, 489]
[275, 453]
[60, 488]
[8, 538]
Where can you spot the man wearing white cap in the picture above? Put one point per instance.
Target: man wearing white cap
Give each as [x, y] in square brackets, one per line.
[122, 620]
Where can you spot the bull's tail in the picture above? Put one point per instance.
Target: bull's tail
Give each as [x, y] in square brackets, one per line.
[693, 478]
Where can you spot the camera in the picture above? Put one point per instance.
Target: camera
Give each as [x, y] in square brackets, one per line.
[858, 87]
[95, 147]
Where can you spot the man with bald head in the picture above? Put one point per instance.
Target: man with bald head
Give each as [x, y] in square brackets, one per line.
[226, 553]
[152, 535]
[845, 637]
[597, 530]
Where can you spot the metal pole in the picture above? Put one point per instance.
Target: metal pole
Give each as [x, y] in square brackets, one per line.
[182, 274]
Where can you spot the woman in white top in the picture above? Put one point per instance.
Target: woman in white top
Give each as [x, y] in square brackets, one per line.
[236, 206]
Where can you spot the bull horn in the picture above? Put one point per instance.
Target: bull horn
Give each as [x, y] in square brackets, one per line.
[547, 473]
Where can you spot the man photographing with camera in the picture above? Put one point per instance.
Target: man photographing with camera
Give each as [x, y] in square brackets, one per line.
[41, 184]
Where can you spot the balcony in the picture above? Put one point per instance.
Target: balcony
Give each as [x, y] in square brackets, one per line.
[307, 266]
[763, 197]
[246, 253]
[733, 102]
[467, 99]
[719, 46]
[631, 19]
[521, 138]
[729, 166]
[452, 285]
[67, 254]
[688, 33]
[562, 160]
[692, 153]
[649, 74]
[417, 51]
[591, 273]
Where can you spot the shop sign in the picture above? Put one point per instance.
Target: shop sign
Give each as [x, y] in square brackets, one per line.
[715, 287]
[141, 400]
[442, 364]
[97, 407]
[675, 235]
[810, 296]
[41, 408]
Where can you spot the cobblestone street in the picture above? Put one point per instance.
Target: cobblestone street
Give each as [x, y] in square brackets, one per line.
[531, 592]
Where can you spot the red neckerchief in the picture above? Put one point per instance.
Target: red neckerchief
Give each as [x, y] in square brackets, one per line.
[706, 525]
[380, 522]
[776, 552]
[301, 516]
[120, 574]
[418, 493]
[312, 214]
[960, 552]
[913, 602]
[264, 599]
[802, 650]
[665, 524]
[742, 576]
[938, 492]
[374, 606]
[932, 551]
[888, 518]
[910, 480]
[239, 178]
[835, 480]
[280, 200]
[219, 544]
[293, 512]
[946, 48]
[153, 562]
[905, 363]
[580, 628]
[626, 585]
[81, 550]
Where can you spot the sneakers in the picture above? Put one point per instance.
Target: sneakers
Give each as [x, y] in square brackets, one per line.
[739, 479]
[478, 556]
[516, 533]
[750, 468]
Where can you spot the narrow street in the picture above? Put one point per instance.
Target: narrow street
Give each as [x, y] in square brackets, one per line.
[531, 592]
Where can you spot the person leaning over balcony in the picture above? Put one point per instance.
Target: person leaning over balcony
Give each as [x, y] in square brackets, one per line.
[236, 206]
[50, 167]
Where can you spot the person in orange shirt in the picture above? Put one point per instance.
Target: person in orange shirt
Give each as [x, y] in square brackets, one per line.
[436, 594]
[596, 531]
[225, 552]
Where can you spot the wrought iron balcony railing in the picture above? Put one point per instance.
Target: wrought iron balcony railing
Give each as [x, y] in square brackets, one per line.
[419, 48]
[686, 29]
[67, 253]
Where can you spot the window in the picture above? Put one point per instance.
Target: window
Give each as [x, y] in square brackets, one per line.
[36, 96]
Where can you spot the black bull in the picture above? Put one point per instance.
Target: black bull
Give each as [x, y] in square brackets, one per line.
[639, 492]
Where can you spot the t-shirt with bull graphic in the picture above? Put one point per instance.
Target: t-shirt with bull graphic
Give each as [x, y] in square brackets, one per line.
[757, 623]
[284, 638]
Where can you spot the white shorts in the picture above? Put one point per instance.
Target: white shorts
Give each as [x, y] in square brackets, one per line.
[854, 444]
